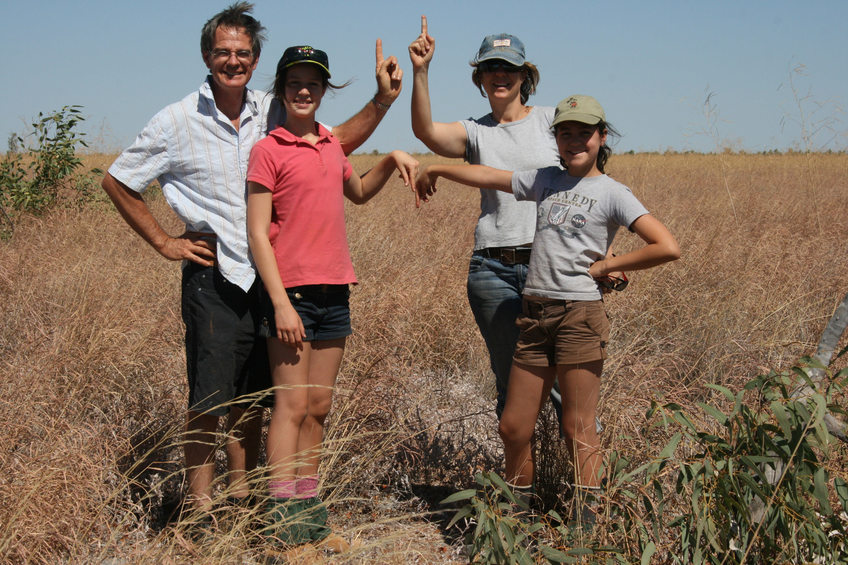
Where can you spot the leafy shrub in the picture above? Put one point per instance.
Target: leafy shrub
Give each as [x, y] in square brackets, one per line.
[495, 532]
[31, 176]
[758, 490]
[755, 490]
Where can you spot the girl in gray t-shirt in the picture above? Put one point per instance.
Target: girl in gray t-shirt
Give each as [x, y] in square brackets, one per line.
[564, 329]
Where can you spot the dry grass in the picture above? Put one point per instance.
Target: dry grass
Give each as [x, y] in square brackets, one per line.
[94, 390]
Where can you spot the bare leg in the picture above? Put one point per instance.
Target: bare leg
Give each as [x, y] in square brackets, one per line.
[529, 386]
[305, 379]
[324, 366]
[199, 456]
[289, 372]
[244, 439]
[580, 386]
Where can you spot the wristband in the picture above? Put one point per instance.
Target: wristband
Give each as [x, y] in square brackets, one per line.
[380, 105]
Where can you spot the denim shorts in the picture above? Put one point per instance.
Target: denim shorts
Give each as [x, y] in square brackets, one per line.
[561, 332]
[324, 310]
[224, 357]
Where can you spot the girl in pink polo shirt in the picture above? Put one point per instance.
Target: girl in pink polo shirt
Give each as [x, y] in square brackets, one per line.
[298, 178]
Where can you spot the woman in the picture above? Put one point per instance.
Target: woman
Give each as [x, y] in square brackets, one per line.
[513, 136]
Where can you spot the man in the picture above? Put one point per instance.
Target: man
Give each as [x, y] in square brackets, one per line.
[198, 149]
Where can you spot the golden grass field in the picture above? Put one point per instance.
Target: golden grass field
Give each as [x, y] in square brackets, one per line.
[93, 389]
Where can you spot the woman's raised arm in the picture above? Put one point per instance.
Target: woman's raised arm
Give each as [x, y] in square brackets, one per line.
[445, 139]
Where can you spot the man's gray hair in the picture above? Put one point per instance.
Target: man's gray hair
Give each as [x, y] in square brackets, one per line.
[236, 15]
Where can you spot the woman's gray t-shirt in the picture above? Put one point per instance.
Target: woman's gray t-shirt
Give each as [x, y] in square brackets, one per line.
[515, 146]
[576, 221]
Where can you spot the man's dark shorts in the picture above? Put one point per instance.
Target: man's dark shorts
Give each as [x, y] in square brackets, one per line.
[324, 310]
[225, 357]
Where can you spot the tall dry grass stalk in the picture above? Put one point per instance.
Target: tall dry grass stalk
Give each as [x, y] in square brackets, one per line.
[93, 393]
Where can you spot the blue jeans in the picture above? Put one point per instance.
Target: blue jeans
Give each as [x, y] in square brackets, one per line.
[494, 293]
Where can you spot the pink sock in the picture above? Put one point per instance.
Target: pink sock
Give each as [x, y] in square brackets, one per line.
[307, 487]
[282, 489]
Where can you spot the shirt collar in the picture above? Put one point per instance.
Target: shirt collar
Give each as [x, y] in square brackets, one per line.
[285, 135]
[251, 101]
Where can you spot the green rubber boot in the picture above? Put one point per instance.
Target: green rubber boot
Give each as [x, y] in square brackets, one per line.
[315, 518]
[287, 521]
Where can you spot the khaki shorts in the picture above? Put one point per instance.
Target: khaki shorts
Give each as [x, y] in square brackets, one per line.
[561, 332]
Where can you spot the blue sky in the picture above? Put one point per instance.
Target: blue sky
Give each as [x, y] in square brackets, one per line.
[652, 64]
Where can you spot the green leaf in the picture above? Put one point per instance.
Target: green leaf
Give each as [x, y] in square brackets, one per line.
[717, 414]
[651, 410]
[668, 451]
[507, 533]
[683, 419]
[483, 480]
[499, 482]
[725, 391]
[461, 495]
[737, 405]
[462, 513]
[648, 552]
[554, 555]
[820, 491]
[802, 411]
[841, 488]
[779, 413]
[755, 486]
[621, 464]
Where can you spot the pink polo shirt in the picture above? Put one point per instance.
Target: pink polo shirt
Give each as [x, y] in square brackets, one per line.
[307, 219]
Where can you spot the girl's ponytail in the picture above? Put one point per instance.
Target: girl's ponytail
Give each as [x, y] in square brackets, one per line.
[605, 151]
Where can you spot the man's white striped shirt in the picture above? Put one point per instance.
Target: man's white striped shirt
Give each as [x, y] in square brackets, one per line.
[200, 161]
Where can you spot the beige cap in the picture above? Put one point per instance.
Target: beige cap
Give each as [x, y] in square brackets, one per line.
[579, 108]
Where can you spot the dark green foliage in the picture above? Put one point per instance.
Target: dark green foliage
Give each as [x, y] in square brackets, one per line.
[32, 175]
[495, 533]
[758, 490]
[755, 488]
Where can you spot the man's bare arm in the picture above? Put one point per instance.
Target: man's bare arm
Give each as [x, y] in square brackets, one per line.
[193, 246]
[353, 133]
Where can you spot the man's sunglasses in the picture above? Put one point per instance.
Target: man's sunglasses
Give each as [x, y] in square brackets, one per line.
[613, 283]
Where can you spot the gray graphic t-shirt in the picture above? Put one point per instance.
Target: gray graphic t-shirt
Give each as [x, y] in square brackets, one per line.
[576, 221]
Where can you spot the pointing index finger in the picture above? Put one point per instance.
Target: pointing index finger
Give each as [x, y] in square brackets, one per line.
[424, 25]
[379, 51]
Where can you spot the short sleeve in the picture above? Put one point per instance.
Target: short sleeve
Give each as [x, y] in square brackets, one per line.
[626, 208]
[261, 168]
[472, 151]
[146, 159]
[524, 183]
[347, 169]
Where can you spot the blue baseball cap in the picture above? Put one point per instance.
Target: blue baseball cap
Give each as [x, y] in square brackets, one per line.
[501, 46]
